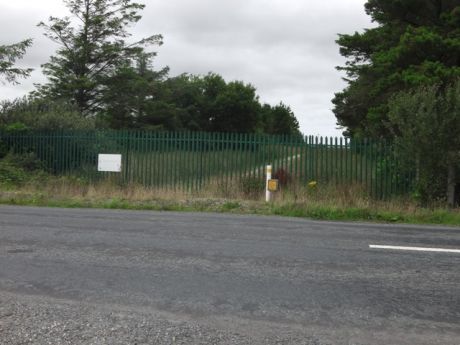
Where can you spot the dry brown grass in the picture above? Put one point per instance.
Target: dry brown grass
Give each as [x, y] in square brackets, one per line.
[330, 195]
[333, 202]
[342, 196]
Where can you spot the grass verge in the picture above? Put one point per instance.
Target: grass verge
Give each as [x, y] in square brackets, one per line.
[23, 182]
[345, 203]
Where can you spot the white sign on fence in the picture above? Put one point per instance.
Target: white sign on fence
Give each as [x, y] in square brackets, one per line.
[110, 163]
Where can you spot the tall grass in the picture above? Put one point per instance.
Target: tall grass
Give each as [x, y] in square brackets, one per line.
[325, 201]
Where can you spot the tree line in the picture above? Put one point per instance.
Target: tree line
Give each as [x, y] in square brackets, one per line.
[403, 84]
[98, 77]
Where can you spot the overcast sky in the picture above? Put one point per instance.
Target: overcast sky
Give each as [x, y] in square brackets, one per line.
[285, 48]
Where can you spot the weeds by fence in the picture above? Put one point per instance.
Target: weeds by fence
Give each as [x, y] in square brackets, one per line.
[193, 161]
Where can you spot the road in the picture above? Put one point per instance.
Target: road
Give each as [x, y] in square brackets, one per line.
[198, 278]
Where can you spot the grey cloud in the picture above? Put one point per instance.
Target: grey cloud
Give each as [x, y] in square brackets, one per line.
[285, 48]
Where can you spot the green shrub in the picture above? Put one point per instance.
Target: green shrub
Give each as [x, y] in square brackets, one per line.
[27, 161]
[15, 170]
[426, 125]
[41, 114]
[11, 175]
[230, 205]
[3, 149]
[252, 187]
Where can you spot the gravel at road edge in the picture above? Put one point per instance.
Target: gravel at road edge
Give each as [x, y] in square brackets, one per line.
[35, 320]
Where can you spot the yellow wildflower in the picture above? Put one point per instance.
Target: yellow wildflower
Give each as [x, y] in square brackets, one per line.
[312, 184]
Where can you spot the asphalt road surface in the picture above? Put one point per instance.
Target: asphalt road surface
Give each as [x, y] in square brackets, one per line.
[77, 276]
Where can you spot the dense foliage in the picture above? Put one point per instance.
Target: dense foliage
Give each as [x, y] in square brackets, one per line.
[91, 51]
[426, 125]
[415, 42]
[9, 54]
[142, 98]
[41, 114]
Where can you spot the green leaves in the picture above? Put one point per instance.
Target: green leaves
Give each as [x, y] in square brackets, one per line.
[41, 114]
[426, 124]
[416, 42]
[139, 97]
[9, 54]
[92, 48]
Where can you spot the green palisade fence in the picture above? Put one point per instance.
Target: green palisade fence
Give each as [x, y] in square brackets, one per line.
[194, 160]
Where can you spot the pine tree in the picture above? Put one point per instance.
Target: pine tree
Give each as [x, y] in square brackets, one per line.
[415, 43]
[91, 51]
[9, 54]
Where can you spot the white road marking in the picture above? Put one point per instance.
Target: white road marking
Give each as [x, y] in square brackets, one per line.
[418, 249]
